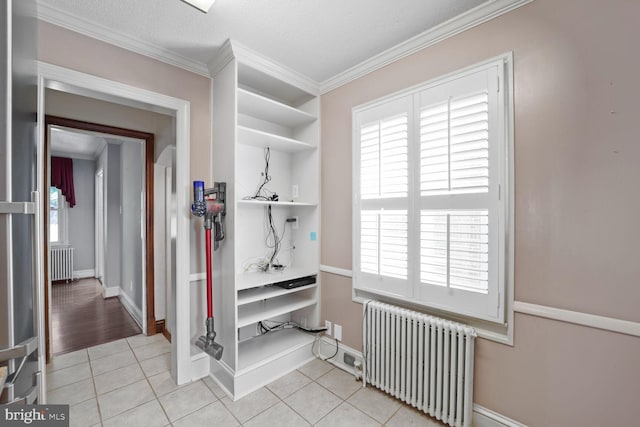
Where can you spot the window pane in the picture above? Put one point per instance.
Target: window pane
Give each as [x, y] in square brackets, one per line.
[54, 233]
[53, 197]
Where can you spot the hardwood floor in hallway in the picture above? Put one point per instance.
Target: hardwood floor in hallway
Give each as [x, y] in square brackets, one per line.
[81, 318]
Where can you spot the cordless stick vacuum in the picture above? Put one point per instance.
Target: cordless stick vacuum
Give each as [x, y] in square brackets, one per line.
[213, 211]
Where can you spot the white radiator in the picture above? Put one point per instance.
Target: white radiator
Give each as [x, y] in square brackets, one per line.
[422, 360]
[61, 261]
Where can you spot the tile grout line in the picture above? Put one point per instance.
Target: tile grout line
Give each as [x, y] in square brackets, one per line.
[223, 405]
[146, 377]
[136, 363]
[95, 389]
[313, 381]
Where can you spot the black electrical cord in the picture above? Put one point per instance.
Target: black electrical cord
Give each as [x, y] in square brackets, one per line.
[334, 354]
[272, 234]
[262, 193]
[264, 328]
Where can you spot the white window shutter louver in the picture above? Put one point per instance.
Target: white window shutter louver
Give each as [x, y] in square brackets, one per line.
[428, 167]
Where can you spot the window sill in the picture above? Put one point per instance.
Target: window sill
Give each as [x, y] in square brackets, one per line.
[500, 333]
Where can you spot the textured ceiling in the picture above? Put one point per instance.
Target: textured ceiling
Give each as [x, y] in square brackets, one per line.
[78, 145]
[318, 38]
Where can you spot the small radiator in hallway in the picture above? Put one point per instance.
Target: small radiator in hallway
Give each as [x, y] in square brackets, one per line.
[61, 261]
[422, 360]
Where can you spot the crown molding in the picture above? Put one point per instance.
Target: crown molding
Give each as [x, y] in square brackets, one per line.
[470, 19]
[476, 16]
[108, 35]
[258, 61]
[223, 56]
[231, 49]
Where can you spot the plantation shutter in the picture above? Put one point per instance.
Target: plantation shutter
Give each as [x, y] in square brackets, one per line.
[459, 173]
[382, 220]
[429, 221]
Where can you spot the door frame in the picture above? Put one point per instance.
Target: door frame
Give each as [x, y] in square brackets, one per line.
[72, 81]
[148, 138]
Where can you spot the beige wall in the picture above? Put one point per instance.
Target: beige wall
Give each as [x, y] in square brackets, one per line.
[59, 46]
[63, 104]
[68, 49]
[577, 121]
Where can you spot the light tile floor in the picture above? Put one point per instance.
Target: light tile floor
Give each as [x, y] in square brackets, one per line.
[127, 383]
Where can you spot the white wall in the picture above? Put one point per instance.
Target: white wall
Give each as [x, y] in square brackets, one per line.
[159, 242]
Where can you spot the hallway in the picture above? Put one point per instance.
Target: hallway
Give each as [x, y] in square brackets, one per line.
[81, 318]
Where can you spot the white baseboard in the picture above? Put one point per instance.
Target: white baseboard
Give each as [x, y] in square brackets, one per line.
[111, 291]
[482, 417]
[129, 305]
[83, 274]
[327, 348]
[199, 366]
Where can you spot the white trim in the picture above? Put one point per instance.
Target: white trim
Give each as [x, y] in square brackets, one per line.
[96, 87]
[199, 366]
[450, 28]
[483, 417]
[478, 15]
[336, 270]
[111, 291]
[232, 49]
[83, 274]
[338, 360]
[584, 319]
[105, 34]
[131, 307]
[197, 277]
[260, 62]
[223, 56]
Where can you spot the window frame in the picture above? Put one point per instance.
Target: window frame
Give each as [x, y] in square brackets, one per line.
[499, 329]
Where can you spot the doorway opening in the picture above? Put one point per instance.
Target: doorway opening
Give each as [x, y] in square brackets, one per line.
[64, 80]
[123, 243]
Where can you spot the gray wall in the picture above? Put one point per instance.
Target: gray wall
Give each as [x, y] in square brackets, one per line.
[131, 186]
[82, 215]
[109, 162]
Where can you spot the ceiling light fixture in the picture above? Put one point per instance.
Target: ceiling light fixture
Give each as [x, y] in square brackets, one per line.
[203, 5]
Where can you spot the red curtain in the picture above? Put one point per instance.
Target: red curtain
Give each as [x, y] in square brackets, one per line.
[62, 178]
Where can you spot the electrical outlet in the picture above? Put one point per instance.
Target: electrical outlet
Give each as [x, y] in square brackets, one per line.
[337, 332]
[349, 359]
[294, 191]
[327, 325]
[296, 223]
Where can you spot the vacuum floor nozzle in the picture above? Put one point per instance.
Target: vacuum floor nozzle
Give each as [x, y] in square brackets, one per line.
[207, 343]
[210, 347]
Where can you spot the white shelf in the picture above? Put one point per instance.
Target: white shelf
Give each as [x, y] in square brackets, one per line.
[263, 108]
[265, 348]
[256, 279]
[258, 104]
[265, 203]
[258, 138]
[252, 313]
[266, 292]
